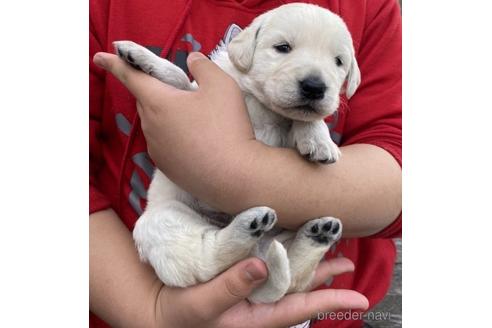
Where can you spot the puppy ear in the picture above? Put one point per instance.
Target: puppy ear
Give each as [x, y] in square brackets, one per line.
[353, 78]
[242, 48]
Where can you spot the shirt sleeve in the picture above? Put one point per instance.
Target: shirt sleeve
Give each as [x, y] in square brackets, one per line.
[97, 200]
[374, 114]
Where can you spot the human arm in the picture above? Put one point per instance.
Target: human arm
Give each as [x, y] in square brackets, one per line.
[363, 188]
[122, 290]
[226, 167]
[126, 293]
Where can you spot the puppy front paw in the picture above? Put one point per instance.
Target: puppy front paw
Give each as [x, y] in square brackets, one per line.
[313, 141]
[135, 55]
[324, 231]
[320, 150]
[145, 60]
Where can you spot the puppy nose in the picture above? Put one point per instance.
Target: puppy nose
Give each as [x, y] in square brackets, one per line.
[313, 88]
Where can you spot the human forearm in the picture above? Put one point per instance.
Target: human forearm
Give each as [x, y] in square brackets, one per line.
[223, 165]
[123, 291]
[363, 188]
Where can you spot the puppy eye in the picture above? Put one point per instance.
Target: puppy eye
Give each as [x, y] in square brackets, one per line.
[338, 61]
[283, 48]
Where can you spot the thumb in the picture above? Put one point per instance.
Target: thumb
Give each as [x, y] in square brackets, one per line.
[207, 74]
[230, 287]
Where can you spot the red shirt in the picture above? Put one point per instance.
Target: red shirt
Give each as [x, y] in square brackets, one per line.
[120, 169]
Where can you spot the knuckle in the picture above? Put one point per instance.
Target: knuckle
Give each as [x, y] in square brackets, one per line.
[339, 302]
[234, 289]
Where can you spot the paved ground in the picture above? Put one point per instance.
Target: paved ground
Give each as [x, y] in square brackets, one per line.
[391, 304]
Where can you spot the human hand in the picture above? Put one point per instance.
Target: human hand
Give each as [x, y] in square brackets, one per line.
[204, 143]
[221, 302]
[124, 292]
[190, 135]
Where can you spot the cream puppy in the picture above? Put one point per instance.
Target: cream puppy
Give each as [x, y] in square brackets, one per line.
[291, 64]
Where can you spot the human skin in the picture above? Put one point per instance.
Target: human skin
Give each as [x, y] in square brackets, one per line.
[126, 293]
[221, 163]
[204, 142]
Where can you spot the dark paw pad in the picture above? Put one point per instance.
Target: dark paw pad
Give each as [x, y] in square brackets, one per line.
[327, 161]
[324, 230]
[262, 223]
[127, 56]
[311, 157]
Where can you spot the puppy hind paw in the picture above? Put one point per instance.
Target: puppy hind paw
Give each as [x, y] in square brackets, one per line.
[257, 220]
[325, 230]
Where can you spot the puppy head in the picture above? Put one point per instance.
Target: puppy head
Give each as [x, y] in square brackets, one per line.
[295, 59]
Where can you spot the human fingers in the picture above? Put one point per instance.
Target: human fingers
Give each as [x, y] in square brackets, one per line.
[213, 298]
[331, 268]
[299, 307]
[208, 75]
[141, 85]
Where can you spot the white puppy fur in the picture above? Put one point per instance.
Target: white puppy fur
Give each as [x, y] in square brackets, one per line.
[291, 64]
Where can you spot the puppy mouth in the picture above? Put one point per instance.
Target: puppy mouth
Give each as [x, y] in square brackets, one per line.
[304, 112]
[301, 109]
[306, 108]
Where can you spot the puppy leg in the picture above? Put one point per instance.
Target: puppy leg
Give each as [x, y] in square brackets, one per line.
[312, 241]
[313, 140]
[236, 241]
[168, 236]
[275, 256]
[145, 60]
[184, 249]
